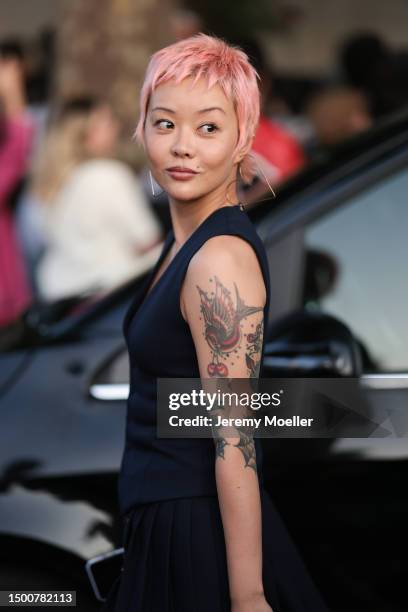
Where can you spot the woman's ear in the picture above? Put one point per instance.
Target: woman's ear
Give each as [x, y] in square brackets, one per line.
[239, 156]
[243, 151]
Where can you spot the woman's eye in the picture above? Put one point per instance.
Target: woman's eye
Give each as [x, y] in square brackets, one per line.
[162, 121]
[212, 125]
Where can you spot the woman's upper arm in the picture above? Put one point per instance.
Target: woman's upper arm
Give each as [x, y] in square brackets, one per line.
[223, 299]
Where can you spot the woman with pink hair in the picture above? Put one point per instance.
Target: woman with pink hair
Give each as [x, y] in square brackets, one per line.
[202, 534]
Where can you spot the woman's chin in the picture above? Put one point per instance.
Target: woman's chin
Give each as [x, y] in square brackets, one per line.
[183, 195]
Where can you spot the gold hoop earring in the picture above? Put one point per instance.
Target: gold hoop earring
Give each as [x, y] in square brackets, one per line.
[240, 173]
[229, 202]
[241, 202]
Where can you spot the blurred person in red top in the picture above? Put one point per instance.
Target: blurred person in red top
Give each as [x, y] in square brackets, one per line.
[275, 149]
[16, 133]
[278, 152]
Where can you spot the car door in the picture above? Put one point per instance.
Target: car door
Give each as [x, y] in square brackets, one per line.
[349, 260]
[341, 249]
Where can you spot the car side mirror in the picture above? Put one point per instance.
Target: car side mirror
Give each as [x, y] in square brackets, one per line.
[308, 344]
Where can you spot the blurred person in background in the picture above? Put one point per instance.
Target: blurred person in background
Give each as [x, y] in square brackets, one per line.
[277, 152]
[16, 134]
[36, 59]
[40, 69]
[184, 23]
[337, 113]
[379, 72]
[99, 230]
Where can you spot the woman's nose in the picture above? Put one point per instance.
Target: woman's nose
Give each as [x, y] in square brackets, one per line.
[182, 144]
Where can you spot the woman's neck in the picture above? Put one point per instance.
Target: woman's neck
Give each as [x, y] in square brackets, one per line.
[186, 217]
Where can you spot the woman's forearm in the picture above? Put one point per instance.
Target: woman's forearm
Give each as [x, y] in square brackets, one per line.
[240, 506]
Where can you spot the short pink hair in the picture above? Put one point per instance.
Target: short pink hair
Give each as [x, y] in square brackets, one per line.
[227, 65]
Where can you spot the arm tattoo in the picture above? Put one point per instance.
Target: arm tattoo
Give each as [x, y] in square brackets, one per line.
[222, 321]
[254, 351]
[246, 445]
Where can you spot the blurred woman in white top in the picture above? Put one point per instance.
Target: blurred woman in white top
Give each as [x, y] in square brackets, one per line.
[98, 225]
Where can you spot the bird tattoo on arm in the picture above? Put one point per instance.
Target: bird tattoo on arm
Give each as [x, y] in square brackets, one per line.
[222, 328]
[223, 333]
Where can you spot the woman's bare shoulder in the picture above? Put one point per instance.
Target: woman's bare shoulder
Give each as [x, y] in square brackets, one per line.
[228, 249]
[228, 256]
[229, 263]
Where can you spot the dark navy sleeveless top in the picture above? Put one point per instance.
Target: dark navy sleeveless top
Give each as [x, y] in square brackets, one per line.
[160, 345]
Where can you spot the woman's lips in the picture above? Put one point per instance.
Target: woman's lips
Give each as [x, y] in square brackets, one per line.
[181, 175]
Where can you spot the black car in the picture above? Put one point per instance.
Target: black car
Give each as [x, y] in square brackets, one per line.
[336, 239]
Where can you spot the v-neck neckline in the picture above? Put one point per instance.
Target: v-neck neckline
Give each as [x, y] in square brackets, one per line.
[148, 289]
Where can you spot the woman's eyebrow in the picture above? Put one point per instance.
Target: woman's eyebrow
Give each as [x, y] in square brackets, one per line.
[203, 110]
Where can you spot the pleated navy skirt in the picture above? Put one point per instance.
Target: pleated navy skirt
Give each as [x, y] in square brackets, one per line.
[175, 561]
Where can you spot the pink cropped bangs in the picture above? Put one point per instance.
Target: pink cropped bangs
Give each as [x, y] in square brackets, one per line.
[211, 57]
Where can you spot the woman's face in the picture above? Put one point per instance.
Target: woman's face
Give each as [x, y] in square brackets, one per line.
[102, 133]
[180, 130]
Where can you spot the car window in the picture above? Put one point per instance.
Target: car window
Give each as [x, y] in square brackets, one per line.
[110, 382]
[356, 260]
[115, 370]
